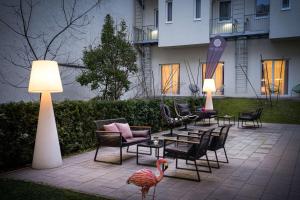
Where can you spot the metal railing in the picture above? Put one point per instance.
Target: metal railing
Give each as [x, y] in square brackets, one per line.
[146, 34]
[247, 24]
[256, 24]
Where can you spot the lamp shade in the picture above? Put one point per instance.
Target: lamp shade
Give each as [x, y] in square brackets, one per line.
[44, 77]
[209, 85]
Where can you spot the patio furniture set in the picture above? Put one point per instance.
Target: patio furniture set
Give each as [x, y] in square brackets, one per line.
[191, 146]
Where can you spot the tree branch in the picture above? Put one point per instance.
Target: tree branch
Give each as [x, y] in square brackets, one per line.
[71, 22]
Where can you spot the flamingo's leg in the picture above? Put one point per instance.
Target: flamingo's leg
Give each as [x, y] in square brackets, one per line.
[154, 192]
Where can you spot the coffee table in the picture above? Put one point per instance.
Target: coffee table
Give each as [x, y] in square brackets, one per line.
[229, 118]
[149, 144]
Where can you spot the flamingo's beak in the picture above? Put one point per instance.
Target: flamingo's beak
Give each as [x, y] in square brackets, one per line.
[165, 166]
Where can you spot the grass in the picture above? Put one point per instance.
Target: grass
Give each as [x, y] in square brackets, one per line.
[284, 111]
[20, 190]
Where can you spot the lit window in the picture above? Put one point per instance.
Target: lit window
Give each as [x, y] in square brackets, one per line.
[218, 77]
[197, 9]
[225, 10]
[274, 77]
[286, 4]
[169, 8]
[170, 79]
[262, 8]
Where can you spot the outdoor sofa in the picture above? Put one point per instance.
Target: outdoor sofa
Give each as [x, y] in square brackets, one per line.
[116, 139]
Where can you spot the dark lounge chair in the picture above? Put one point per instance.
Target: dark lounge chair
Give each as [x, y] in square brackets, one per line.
[171, 121]
[218, 140]
[254, 116]
[184, 113]
[191, 148]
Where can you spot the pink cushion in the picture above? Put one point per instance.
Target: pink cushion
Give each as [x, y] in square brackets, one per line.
[125, 130]
[111, 127]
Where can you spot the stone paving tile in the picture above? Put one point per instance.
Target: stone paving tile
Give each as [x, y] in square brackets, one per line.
[263, 164]
[259, 180]
[250, 190]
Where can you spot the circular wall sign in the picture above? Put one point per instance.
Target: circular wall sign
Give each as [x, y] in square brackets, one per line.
[217, 43]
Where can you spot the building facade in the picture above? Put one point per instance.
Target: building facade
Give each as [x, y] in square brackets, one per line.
[262, 55]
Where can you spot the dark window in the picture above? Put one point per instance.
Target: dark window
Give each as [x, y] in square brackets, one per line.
[262, 8]
[156, 18]
[225, 10]
[169, 11]
[197, 9]
[285, 4]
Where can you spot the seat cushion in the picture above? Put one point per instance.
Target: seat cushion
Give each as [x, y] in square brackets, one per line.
[125, 130]
[111, 127]
[184, 109]
[180, 148]
[140, 133]
[136, 139]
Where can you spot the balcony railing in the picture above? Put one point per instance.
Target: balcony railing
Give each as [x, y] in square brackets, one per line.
[145, 34]
[246, 25]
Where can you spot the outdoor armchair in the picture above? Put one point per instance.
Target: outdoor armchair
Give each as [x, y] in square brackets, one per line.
[184, 113]
[115, 139]
[188, 148]
[254, 116]
[218, 140]
[170, 121]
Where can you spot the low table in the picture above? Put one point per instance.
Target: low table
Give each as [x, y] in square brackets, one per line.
[208, 114]
[230, 119]
[150, 144]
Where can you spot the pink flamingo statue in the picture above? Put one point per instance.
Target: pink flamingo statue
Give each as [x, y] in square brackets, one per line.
[145, 178]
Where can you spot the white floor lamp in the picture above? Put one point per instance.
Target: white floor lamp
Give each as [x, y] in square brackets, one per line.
[209, 87]
[45, 79]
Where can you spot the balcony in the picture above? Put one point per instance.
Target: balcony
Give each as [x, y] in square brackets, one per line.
[145, 34]
[248, 25]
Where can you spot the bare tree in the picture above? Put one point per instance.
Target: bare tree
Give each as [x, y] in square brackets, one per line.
[40, 43]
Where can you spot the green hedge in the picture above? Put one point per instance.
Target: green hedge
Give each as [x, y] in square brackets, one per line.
[75, 125]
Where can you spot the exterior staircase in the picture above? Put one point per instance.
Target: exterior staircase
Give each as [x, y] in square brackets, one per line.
[144, 49]
[241, 65]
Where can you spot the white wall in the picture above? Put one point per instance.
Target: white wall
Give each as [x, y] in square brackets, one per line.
[267, 48]
[149, 7]
[184, 30]
[43, 19]
[284, 23]
[178, 55]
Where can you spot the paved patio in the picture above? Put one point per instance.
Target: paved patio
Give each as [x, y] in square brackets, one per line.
[264, 164]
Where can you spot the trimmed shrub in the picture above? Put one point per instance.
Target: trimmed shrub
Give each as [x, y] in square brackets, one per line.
[75, 126]
[74, 121]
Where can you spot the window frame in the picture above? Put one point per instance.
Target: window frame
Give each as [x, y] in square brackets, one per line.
[286, 75]
[167, 11]
[286, 8]
[195, 10]
[230, 15]
[262, 16]
[161, 79]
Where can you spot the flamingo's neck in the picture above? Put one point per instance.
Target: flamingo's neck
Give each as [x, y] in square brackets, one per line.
[161, 173]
